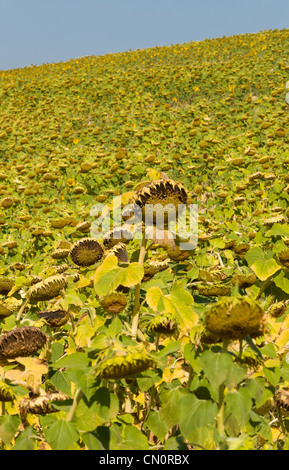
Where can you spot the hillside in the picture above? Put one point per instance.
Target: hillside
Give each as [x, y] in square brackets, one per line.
[212, 116]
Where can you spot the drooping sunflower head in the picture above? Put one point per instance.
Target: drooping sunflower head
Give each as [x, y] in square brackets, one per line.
[6, 285]
[284, 257]
[47, 289]
[86, 252]
[7, 393]
[235, 318]
[8, 306]
[120, 251]
[281, 399]
[244, 280]
[54, 318]
[213, 290]
[115, 236]
[41, 405]
[277, 309]
[21, 341]
[60, 253]
[126, 365]
[164, 324]
[114, 303]
[163, 196]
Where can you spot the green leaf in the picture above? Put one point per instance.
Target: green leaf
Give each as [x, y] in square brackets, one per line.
[278, 229]
[61, 435]
[133, 439]
[114, 328]
[8, 427]
[147, 379]
[98, 439]
[179, 302]
[272, 374]
[195, 413]
[240, 404]
[263, 264]
[257, 389]
[61, 381]
[281, 281]
[108, 276]
[156, 424]
[170, 406]
[26, 440]
[219, 368]
[216, 367]
[74, 360]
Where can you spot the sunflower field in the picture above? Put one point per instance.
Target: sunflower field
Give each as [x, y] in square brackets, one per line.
[112, 342]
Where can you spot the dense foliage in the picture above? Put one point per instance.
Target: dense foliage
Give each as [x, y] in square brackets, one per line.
[129, 346]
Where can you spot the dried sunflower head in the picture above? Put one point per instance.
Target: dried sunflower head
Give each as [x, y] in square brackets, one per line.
[176, 254]
[22, 341]
[211, 275]
[6, 285]
[83, 227]
[213, 290]
[40, 405]
[116, 236]
[8, 306]
[241, 249]
[284, 257]
[114, 303]
[208, 338]
[119, 250]
[234, 318]
[6, 392]
[277, 309]
[54, 318]
[164, 324]
[120, 367]
[47, 289]
[165, 192]
[149, 272]
[86, 252]
[244, 280]
[60, 253]
[281, 399]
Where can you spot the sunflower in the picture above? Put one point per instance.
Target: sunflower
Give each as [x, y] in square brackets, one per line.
[116, 236]
[54, 318]
[7, 393]
[21, 341]
[8, 306]
[6, 285]
[244, 280]
[213, 290]
[281, 399]
[119, 250]
[114, 303]
[123, 366]
[47, 289]
[40, 405]
[86, 252]
[165, 192]
[164, 324]
[235, 318]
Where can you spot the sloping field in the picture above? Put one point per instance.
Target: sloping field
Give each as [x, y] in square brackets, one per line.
[110, 343]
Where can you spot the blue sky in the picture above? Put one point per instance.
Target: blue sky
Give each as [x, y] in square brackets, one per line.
[42, 31]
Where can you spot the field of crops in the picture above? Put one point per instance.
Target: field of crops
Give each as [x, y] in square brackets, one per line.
[110, 342]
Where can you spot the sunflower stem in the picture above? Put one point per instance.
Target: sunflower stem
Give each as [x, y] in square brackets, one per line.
[2, 413]
[77, 397]
[21, 310]
[220, 417]
[240, 347]
[136, 308]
